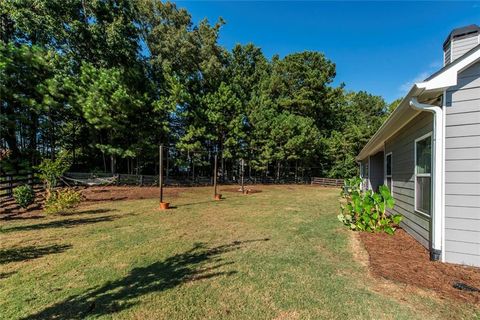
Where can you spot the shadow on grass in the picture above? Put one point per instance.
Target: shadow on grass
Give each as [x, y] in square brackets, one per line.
[64, 223]
[27, 216]
[21, 216]
[123, 293]
[30, 252]
[93, 211]
[5, 275]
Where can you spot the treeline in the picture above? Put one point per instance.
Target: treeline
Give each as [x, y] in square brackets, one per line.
[110, 80]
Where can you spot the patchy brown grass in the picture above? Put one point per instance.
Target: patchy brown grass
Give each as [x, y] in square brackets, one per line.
[278, 254]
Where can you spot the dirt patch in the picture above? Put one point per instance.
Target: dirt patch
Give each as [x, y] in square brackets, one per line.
[114, 193]
[250, 190]
[401, 258]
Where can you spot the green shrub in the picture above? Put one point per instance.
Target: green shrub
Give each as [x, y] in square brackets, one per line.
[49, 171]
[62, 201]
[24, 195]
[366, 210]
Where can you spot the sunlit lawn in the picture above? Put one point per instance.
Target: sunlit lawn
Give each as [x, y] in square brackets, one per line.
[278, 254]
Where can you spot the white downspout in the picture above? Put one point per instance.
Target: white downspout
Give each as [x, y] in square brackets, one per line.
[437, 250]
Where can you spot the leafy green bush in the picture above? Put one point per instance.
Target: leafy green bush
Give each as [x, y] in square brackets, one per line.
[366, 210]
[24, 195]
[51, 170]
[62, 201]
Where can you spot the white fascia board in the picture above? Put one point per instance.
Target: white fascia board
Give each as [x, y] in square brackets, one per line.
[438, 83]
[449, 77]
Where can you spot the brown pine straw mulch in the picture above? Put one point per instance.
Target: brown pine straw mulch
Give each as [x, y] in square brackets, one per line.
[401, 258]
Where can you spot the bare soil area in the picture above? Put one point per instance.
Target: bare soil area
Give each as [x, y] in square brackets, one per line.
[107, 193]
[116, 193]
[401, 258]
[236, 189]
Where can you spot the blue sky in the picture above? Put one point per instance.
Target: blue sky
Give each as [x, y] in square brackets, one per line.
[380, 47]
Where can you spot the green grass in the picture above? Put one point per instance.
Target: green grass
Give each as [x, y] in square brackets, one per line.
[278, 254]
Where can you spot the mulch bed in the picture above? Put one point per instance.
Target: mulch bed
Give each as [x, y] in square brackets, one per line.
[402, 259]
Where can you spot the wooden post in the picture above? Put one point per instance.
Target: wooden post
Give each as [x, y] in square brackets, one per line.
[215, 177]
[241, 177]
[160, 172]
[10, 185]
[166, 173]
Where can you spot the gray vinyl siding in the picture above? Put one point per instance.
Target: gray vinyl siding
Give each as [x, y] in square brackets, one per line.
[403, 165]
[462, 46]
[462, 169]
[376, 170]
[447, 55]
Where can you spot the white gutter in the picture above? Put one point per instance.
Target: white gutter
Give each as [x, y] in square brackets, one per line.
[437, 216]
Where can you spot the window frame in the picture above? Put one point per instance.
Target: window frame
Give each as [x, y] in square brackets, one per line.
[390, 154]
[425, 175]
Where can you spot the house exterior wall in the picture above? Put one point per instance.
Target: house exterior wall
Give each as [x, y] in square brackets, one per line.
[376, 171]
[401, 145]
[461, 46]
[462, 169]
[447, 56]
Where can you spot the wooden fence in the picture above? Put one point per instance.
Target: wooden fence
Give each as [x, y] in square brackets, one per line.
[10, 181]
[152, 180]
[78, 178]
[327, 182]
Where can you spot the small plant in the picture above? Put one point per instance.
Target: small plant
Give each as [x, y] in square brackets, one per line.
[62, 201]
[24, 195]
[49, 171]
[366, 210]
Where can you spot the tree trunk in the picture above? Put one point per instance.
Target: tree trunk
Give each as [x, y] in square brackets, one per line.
[278, 171]
[11, 137]
[296, 170]
[112, 164]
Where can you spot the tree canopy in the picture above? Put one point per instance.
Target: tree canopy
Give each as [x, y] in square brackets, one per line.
[108, 81]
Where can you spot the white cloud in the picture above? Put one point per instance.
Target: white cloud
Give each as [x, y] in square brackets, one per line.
[408, 84]
[436, 64]
[432, 67]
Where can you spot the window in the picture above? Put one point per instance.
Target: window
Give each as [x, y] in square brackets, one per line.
[388, 171]
[364, 174]
[423, 174]
[364, 170]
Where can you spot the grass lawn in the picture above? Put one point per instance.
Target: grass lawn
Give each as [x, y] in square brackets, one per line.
[278, 254]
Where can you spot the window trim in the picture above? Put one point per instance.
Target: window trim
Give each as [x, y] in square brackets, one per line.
[364, 173]
[391, 170]
[425, 136]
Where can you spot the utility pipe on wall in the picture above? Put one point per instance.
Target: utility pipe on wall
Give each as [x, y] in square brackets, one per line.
[437, 216]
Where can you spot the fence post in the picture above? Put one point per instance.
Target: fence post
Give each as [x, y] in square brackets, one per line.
[160, 171]
[215, 176]
[141, 180]
[30, 179]
[10, 185]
